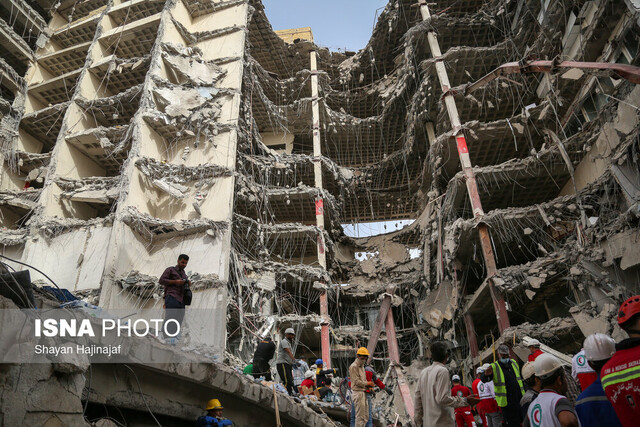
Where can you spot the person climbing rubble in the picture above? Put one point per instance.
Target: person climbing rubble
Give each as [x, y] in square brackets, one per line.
[581, 371]
[214, 416]
[463, 415]
[592, 405]
[488, 407]
[534, 349]
[300, 367]
[551, 408]
[533, 385]
[174, 280]
[433, 400]
[359, 385]
[285, 360]
[621, 374]
[509, 388]
[261, 357]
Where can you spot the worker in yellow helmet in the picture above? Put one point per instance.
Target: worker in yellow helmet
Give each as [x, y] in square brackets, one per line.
[214, 416]
[359, 385]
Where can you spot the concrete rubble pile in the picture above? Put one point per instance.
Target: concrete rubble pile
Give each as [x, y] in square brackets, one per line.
[131, 132]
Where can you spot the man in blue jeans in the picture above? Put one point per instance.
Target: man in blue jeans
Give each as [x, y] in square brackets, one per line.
[173, 279]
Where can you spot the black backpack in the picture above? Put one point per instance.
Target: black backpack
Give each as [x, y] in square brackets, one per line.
[187, 296]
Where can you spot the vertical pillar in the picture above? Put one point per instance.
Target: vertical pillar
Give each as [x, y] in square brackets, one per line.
[394, 355]
[472, 189]
[317, 173]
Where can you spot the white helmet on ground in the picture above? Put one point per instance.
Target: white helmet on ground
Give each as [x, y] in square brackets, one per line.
[599, 347]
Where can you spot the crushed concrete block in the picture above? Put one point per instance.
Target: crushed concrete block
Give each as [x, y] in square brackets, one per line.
[535, 282]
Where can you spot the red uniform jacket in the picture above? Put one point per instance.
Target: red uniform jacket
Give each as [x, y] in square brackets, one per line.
[621, 381]
[534, 355]
[462, 391]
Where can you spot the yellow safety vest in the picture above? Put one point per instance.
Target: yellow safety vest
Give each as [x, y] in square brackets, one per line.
[500, 386]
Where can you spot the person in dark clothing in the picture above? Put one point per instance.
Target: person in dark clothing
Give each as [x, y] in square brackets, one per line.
[321, 374]
[173, 279]
[509, 388]
[263, 354]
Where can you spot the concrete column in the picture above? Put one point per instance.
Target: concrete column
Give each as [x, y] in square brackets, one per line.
[465, 160]
[317, 172]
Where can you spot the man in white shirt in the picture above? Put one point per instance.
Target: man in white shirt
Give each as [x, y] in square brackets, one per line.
[433, 401]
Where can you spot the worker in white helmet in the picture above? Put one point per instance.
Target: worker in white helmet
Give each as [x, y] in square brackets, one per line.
[534, 349]
[592, 406]
[533, 385]
[551, 408]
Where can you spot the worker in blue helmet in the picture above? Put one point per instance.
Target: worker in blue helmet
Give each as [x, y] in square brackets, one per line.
[323, 375]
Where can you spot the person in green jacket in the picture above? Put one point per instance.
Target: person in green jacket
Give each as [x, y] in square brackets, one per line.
[508, 387]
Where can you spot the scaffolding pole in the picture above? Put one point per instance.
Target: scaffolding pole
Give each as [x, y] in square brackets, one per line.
[470, 179]
[317, 174]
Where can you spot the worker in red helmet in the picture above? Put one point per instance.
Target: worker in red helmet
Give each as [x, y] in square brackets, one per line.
[621, 374]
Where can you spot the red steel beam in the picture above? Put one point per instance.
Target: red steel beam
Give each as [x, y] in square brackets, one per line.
[324, 330]
[394, 355]
[377, 326]
[627, 72]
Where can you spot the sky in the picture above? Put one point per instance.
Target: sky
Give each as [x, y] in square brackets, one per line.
[338, 25]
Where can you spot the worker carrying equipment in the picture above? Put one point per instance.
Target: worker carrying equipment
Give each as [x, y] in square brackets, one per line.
[214, 416]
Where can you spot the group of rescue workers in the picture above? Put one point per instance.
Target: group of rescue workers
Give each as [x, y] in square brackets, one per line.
[503, 395]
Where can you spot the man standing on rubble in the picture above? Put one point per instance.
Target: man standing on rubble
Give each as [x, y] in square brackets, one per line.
[621, 374]
[263, 354]
[551, 408]
[592, 405]
[433, 401]
[359, 385]
[508, 387]
[285, 360]
[300, 367]
[173, 279]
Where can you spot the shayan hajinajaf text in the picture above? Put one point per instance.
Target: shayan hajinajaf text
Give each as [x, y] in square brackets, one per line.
[89, 350]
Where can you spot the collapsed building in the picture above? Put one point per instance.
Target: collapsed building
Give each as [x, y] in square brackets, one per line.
[133, 131]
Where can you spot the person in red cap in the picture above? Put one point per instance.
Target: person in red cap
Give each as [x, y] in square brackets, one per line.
[621, 374]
